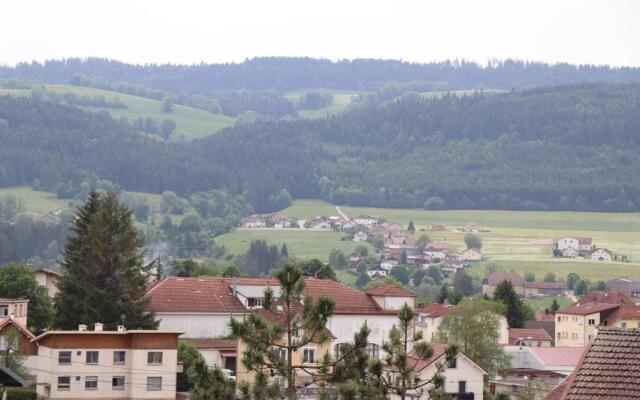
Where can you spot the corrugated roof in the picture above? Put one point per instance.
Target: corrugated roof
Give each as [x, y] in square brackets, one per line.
[558, 355]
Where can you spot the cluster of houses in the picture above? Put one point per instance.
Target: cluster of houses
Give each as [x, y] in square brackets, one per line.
[555, 351]
[572, 247]
[522, 287]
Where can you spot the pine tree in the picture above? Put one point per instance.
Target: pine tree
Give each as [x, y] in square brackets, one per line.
[284, 252]
[444, 294]
[105, 276]
[555, 306]
[411, 228]
[515, 308]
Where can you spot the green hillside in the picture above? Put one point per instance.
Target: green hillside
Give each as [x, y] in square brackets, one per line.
[35, 202]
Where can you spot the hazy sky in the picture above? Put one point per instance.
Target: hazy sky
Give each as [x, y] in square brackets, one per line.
[189, 31]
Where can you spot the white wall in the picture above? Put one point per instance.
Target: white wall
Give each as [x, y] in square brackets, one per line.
[345, 326]
[196, 325]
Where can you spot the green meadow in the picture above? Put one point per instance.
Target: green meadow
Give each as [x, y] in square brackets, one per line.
[35, 202]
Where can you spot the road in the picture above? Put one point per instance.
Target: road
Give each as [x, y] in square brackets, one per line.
[341, 213]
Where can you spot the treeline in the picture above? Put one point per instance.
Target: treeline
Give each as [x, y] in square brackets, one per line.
[563, 148]
[282, 73]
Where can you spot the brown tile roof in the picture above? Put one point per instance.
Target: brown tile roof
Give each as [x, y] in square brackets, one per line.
[529, 334]
[609, 369]
[544, 285]
[499, 276]
[587, 308]
[218, 344]
[584, 240]
[531, 372]
[556, 392]
[349, 301]
[390, 290]
[419, 364]
[207, 294]
[435, 310]
[544, 315]
[599, 301]
[549, 326]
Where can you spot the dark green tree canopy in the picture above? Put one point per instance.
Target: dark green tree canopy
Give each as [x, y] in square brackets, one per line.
[105, 276]
[18, 282]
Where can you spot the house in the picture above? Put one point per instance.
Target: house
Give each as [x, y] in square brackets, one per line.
[543, 289]
[26, 348]
[438, 227]
[463, 378]
[601, 255]
[490, 283]
[548, 326]
[392, 297]
[609, 369]
[15, 308]
[435, 254]
[360, 236]
[471, 255]
[569, 252]
[558, 359]
[254, 221]
[512, 381]
[122, 364]
[321, 222]
[280, 221]
[428, 319]
[626, 286]
[471, 227]
[376, 272]
[567, 243]
[49, 279]
[576, 325]
[418, 259]
[389, 263]
[444, 247]
[366, 220]
[584, 245]
[310, 356]
[529, 337]
[451, 266]
[202, 307]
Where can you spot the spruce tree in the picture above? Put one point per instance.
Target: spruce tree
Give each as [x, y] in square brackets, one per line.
[515, 307]
[411, 228]
[105, 276]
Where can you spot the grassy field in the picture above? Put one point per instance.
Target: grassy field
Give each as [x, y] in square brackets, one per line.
[301, 242]
[541, 304]
[341, 101]
[36, 203]
[190, 122]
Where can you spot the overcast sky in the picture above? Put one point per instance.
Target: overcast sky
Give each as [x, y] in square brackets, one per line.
[189, 31]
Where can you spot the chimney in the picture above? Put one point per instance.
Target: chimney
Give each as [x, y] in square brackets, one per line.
[82, 328]
[121, 328]
[98, 327]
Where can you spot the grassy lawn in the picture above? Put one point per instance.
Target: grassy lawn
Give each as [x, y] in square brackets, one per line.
[303, 243]
[541, 304]
[348, 277]
[308, 209]
[36, 203]
[341, 101]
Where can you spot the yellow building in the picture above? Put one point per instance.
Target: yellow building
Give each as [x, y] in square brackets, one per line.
[575, 325]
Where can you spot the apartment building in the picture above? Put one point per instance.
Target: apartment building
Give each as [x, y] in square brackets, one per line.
[576, 324]
[99, 364]
[16, 308]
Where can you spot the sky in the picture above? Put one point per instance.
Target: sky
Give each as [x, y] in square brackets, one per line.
[213, 31]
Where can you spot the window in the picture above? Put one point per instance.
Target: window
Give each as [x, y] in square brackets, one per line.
[623, 324]
[373, 350]
[295, 333]
[154, 383]
[592, 321]
[453, 363]
[117, 383]
[119, 357]
[64, 357]
[154, 357]
[254, 302]
[309, 355]
[462, 387]
[281, 381]
[64, 382]
[91, 383]
[92, 357]
[283, 354]
[4, 311]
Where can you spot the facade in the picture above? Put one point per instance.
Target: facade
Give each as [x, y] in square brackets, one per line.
[49, 279]
[366, 220]
[255, 221]
[601, 255]
[221, 352]
[462, 378]
[377, 272]
[471, 255]
[524, 289]
[15, 308]
[576, 325]
[428, 319]
[107, 364]
[567, 243]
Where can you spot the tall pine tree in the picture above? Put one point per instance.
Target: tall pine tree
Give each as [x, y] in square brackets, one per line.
[105, 276]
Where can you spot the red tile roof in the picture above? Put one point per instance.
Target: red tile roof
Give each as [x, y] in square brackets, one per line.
[419, 364]
[4, 322]
[499, 276]
[599, 301]
[558, 355]
[584, 240]
[438, 246]
[556, 392]
[435, 310]
[543, 315]
[390, 290]
[208, 294]
[218, 344]
[529, 334]
[349, 301]
[531, 372]
[609, 369]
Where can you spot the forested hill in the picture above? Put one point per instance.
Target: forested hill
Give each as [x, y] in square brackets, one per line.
[280, 73]
[564, 148]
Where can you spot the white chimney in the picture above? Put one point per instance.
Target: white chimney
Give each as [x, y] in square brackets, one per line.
[98, 327]
[121, 328]
[82, 328]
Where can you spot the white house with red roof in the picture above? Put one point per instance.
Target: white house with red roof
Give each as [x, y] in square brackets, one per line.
[536, 337]
[203, 307]
[428, 319]
[463, 378]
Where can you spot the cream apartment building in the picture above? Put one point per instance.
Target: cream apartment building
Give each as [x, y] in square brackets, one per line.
[102, 364]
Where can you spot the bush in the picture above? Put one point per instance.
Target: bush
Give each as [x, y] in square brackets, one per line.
[21, 394]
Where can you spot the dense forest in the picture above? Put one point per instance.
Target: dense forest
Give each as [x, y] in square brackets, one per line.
[280, 73]
[562, 148]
